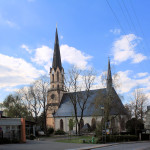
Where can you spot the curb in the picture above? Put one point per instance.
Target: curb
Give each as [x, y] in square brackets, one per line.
[107, 145]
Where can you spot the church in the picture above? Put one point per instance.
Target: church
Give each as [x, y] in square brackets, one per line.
[61, 109]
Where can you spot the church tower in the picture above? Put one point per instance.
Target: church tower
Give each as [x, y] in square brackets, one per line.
[56, 83]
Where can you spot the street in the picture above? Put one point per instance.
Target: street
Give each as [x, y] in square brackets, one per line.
[52, 145]
[43, 145]
[128, 146]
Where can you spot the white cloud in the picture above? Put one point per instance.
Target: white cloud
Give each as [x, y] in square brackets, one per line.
[11, 23]
[26, 48]
[8, 22]
[16, 71]
[43, 56]
[128, 83]
[11, 89]
[74, 56]
[142, 74]
[124, 49]
[115, 31]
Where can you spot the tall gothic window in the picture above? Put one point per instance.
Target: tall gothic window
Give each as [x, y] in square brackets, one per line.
[62, 78]
[71, 124]
[81, 124]
[57, 76]
[93, 124]
[52, 77]
[61, 125]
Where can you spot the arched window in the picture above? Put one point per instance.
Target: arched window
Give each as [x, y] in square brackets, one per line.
[81, 124]
[57, 76]
[93, 124]
[61, 125]
[58, 86]
[62, 77]
[52, 77]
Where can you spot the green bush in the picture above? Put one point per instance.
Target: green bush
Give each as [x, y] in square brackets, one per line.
[60, 132]
[8, 141]
[50, 131]
[118, 138]
[5, 141]
[32, 137]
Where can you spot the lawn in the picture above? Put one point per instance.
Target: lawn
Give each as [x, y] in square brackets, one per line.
[77, 139]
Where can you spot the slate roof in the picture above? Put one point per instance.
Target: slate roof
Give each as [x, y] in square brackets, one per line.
[66, 107]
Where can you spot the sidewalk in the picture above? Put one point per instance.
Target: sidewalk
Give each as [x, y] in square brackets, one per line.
[111, 144]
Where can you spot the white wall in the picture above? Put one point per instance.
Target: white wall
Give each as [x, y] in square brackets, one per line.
[66, 122]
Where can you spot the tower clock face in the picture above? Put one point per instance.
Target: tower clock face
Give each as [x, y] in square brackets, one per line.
[52, 96]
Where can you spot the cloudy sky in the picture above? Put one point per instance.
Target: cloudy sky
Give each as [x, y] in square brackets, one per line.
[89, 31]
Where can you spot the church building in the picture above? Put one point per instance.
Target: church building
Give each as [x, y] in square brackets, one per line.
[60, 107]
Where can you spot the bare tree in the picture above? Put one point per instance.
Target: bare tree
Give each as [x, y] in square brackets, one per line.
[75, 82]
[72, 87]
[43, 86]
[35, 98]
[31, 98]
[88, 78]
[137, 105]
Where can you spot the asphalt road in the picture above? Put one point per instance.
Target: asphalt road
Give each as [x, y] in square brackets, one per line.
[52, 145]
[43, 145]
[127, 146]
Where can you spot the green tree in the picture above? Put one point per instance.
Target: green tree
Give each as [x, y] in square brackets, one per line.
[134, 126]
[15, 108]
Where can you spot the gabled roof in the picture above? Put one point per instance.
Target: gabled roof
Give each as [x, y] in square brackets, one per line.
[66, 107]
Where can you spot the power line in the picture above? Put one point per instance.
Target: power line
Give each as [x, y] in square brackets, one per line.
[138, 22]
[142, 47]
[125, 15]
[119, 24]
[132, 22]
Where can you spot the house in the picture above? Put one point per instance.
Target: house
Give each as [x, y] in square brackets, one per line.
[147, 120]
[12, 128]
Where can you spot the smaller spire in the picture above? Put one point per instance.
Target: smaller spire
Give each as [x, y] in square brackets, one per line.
[109, 77]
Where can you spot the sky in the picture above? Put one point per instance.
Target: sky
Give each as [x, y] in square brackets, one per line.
[89, 32]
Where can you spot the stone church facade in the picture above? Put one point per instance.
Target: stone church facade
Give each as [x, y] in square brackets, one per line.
[61, 109]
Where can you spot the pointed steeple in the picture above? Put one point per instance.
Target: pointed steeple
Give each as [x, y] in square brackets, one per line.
[56, 55]
[109, 77]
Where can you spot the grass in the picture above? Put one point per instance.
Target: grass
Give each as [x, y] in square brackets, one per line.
[77, 139]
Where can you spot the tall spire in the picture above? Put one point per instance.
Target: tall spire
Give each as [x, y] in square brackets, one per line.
[109, 77]
[56, 55]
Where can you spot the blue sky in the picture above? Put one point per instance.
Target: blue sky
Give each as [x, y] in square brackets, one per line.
[89, 31]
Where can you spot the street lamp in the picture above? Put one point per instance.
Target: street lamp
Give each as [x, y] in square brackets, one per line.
[103, 111]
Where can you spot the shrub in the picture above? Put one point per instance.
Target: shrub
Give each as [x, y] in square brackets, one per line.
[60, 132]
[50, 131]
[134, 126]
[8, 141]
[32, 137]
[5, 141]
